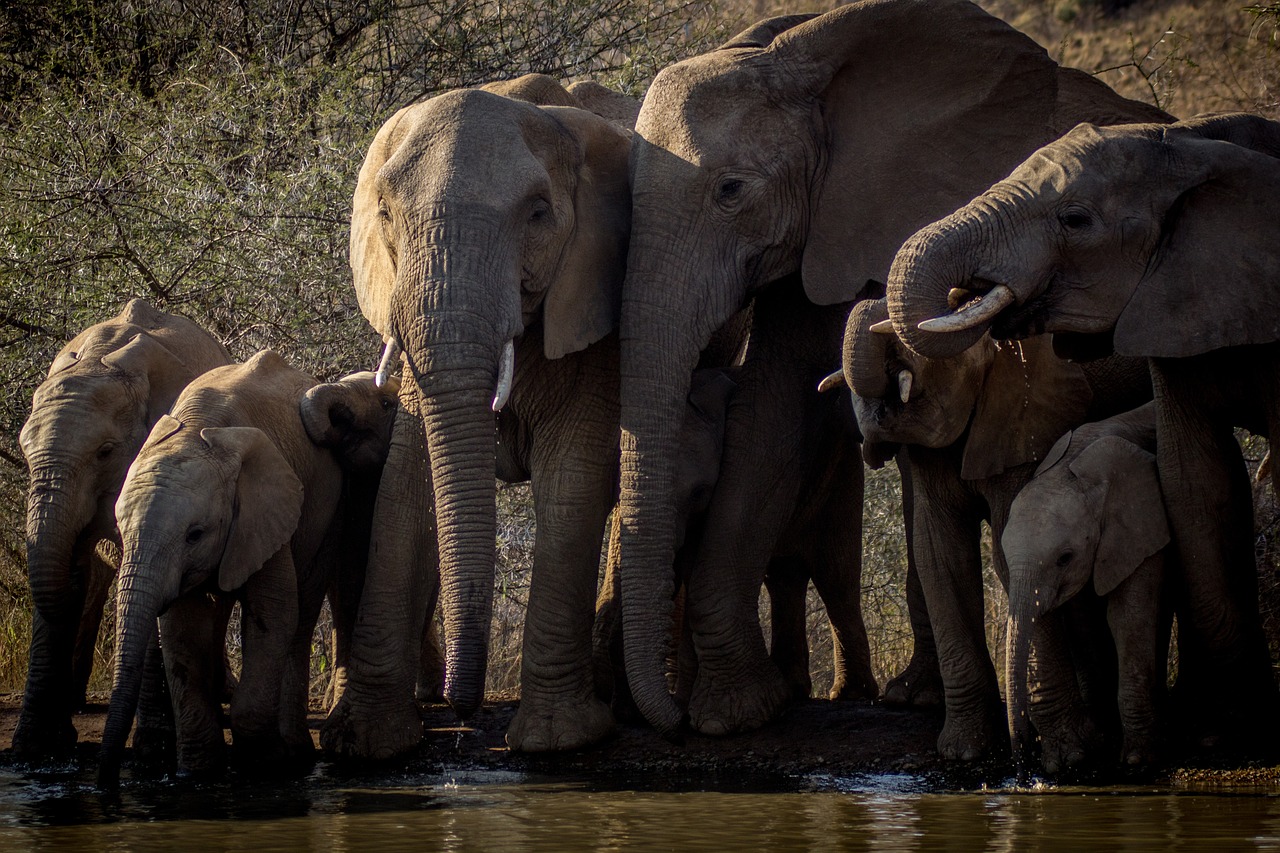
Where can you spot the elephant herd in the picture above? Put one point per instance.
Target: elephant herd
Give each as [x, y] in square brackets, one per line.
[1049, 304]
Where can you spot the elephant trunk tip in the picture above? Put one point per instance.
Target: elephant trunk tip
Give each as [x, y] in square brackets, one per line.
[109, 770]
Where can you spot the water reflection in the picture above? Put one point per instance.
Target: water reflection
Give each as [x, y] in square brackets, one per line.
[487, 812]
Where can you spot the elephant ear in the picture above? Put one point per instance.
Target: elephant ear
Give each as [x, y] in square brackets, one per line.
[372, 267]
[1055, 454]
[268, 501]
[1214, 280]
[606, 103]
[763, 32]
[1125, 478]
[1029, 398]
[160, 374]
[926, 104]
[584, 297]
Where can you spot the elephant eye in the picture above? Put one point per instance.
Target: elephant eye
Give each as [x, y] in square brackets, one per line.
[194, 535]
[384, 212]
[728, 190]
[106, 449]
[386, 404]
[541, 212]
[1065, 559]
[1075, 219]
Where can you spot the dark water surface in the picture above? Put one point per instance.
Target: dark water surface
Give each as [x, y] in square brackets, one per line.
[484, 811]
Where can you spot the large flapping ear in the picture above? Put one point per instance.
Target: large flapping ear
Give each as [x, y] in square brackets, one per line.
[1029, 398]
[159, 374]
[268, 501]
[1244, 129]
[763, 32]
[926, 103]
[1133, 518]
[1214, 279]
[606, 103]
[372, 267]
[584, 297]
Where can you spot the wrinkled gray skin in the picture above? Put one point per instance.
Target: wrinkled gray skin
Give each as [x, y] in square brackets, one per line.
[698, 471]
[1093, 519]
[798, 156]
[104, 391]
[481, 219]
[1161, 242]
[231, 499]
[972, 429]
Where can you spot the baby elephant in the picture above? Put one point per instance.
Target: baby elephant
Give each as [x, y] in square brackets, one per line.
[1094, 512]
[232, 498]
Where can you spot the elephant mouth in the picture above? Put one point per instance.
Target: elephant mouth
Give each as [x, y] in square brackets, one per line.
[973, 306]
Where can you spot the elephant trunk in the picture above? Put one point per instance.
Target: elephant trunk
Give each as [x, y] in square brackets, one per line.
[138, 604]
[53, 528]
[929, 279]
[456, 381]
[866, 352]
[1018, 661]
[663, 329]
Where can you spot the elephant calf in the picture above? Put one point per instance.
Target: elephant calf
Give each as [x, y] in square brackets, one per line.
[230, 498]
[1093, 512]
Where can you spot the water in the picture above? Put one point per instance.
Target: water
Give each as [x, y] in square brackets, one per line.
[490, 811]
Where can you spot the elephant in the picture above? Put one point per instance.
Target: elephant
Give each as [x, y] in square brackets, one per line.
[1093, 517]
[1106, 238]
[814, 527]
[230, 498]
[488, 237]
[104, 391]
[790, 164]
[972, 429]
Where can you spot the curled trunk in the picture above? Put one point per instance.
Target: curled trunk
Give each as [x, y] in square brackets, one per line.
[925, 271]
[865, 351]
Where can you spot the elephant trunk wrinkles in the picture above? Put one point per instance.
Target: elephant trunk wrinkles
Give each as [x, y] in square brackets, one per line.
[52, 531]
[927, 267]
[138, 606]
[866, 356]
[660, 347]
[1022, 616]
[456, 380]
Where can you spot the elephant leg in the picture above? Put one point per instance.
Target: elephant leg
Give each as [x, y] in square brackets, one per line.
[607, 662]
[376, 716]
[920, 684]
[193, 632]
[295, 689]
[155, 734]
[946, 535]
[1133, 614]
[98, 577]
[572, 492]
[787, 581]
[269, 620]
[1224, 668]
[1068, 735]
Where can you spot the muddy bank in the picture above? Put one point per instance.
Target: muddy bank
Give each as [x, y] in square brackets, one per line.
[813, 743]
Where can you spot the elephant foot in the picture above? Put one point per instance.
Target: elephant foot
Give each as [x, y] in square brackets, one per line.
[429, 689]
[37, 740]
[746, 699]
[918, 686]
[971, 737]
[1066, 741]
[376, 732]
[271, 755]
[545, 726]
[1138, 750]
[854, 684]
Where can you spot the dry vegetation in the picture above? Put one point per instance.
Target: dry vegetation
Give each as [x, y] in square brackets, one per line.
[203, 155]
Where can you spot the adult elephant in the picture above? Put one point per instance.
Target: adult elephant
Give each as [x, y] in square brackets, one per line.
[488, 229]
[104, 391]
[1162, 242]
[973, 428]
[798, 156]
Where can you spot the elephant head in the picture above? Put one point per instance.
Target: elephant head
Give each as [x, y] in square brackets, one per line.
[476, 216]
[354, 417]
[1092, 514]
[198, 506]
[805, 144]
[1162, 236]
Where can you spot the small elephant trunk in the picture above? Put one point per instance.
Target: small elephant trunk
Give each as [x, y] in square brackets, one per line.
[1018, 690]
[138, 606]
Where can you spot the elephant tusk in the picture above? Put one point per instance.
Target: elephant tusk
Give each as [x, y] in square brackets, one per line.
[506, 367]
[974, 314]
[390, 355]
[832, 381]
[884, 327]
[904, 385]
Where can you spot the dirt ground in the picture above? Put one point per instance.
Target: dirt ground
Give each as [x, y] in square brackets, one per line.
[813, 741]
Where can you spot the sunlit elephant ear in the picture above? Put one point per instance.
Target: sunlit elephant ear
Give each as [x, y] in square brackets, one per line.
[897, 84]
[606, 103]
[1029, 398]
[1244, 129]
[158, 374]
[1125, 478]
[372, 266]
[584, 297]
[762, 33]
[1214, 280]
[268, 501]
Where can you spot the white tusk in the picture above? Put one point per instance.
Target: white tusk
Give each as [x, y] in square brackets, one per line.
[974, 314]
[390, 356]
[506, 367]
[884, 327]
[904, 385]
